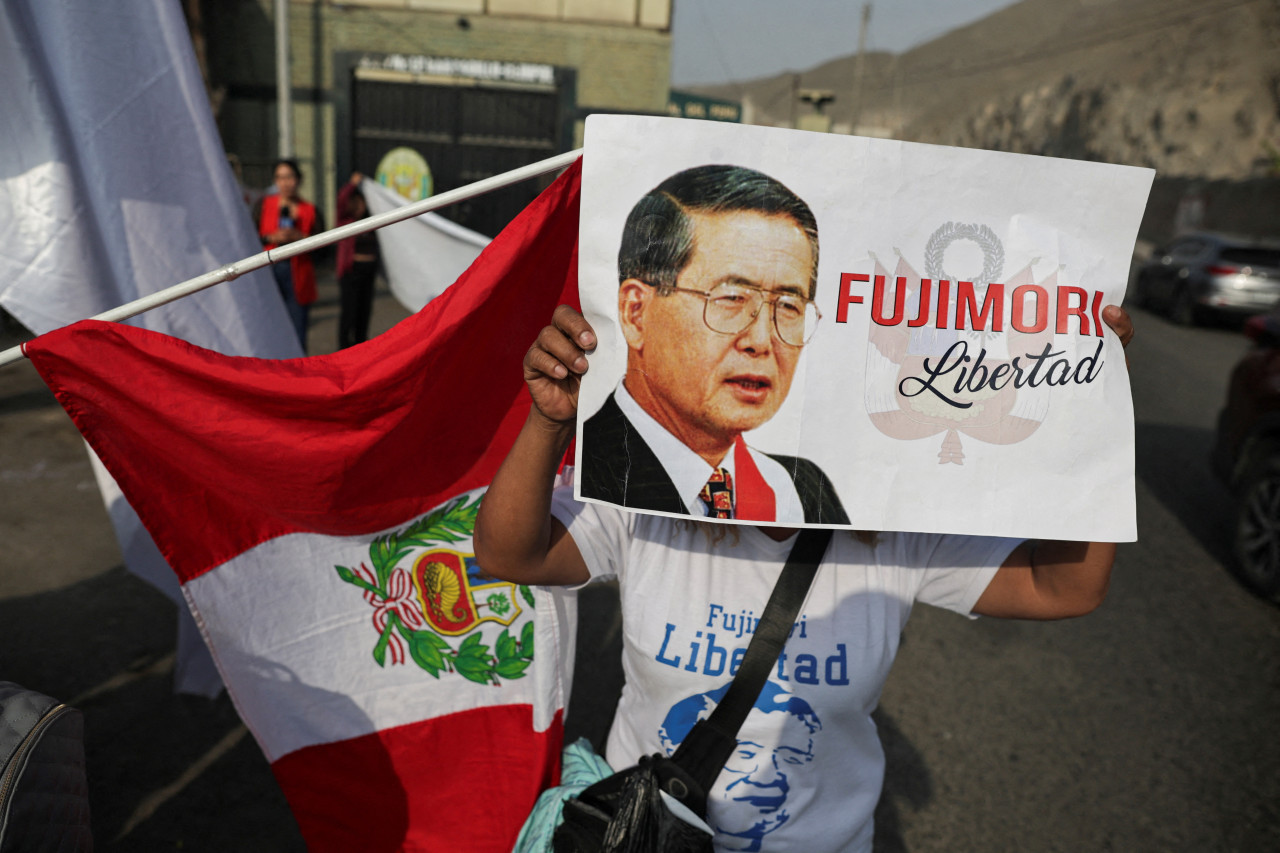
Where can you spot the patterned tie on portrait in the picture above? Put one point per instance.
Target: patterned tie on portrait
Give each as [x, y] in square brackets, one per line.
[717, 494]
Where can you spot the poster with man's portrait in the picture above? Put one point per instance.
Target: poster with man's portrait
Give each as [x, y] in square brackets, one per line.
[813, 329]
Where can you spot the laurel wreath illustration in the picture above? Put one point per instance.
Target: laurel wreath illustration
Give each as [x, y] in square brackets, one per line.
[992, 256]
[948, 233]
[399, 620]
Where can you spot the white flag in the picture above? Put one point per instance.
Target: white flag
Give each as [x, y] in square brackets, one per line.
[113, 185]
[423, 258]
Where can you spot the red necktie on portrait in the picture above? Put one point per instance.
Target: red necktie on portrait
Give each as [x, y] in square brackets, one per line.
[755, 500]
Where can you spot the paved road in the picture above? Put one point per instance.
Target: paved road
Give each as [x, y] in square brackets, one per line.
[1148, 726]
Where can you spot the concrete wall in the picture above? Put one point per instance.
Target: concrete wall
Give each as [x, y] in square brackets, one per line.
[619, 49]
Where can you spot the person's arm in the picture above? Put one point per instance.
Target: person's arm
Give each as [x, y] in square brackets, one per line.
[516, 539]
[1049, 580]
[1053, 579]
[343, 203]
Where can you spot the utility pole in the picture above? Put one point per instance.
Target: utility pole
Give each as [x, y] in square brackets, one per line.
[284, 81]
[858, 68]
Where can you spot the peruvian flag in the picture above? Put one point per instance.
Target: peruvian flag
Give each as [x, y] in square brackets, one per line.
[318, 512]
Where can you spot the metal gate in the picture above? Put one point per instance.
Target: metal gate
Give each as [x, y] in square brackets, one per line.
[465, 129]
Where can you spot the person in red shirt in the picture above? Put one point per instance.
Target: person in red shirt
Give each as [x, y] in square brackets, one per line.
[286, 217]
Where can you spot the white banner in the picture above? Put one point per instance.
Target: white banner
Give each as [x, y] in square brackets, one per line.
[114, 185]
[959, 380]
[424, 255]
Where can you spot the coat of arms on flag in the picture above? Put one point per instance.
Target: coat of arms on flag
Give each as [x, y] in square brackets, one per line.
[424, 595]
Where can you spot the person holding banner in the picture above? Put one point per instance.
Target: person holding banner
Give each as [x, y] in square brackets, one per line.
[691, 596]
[717, 276]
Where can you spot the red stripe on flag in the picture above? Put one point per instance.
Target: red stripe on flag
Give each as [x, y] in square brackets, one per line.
[219, 454]
[476, 776]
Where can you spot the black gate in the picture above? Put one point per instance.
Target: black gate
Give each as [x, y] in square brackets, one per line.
[466, 130]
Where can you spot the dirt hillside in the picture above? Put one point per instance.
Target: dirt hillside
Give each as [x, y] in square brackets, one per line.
[1189, 87]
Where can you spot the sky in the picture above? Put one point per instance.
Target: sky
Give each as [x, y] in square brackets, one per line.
[723, 41]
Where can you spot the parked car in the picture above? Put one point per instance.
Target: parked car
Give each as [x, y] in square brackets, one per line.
[1246, 456]
[1200, 274]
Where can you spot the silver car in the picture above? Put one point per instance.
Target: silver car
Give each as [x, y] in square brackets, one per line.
[1201, 274]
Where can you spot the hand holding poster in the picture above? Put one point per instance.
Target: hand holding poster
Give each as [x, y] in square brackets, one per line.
[941, 365]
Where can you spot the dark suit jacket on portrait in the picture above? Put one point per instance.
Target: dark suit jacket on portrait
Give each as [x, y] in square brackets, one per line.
[618, 467]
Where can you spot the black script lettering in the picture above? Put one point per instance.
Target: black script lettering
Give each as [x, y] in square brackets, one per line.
[1046, 369]
[1034, 378]
[1094, 363]
[953, 358]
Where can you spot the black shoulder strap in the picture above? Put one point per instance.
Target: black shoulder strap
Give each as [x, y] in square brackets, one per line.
[707, 748]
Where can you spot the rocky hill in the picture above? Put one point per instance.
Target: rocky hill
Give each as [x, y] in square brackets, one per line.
[1189, 87]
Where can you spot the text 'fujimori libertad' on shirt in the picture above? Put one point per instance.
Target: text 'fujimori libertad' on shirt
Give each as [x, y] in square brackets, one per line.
[710, 650]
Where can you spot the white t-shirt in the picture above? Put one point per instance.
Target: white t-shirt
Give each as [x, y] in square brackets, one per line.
[809, 767]
[689, 472]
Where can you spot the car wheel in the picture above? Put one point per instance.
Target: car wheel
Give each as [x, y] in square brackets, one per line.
[1257, 538]
[1183, 309]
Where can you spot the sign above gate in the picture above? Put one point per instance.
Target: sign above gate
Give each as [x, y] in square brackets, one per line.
[475, 69]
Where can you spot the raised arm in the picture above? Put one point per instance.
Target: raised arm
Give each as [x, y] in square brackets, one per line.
[516, 538]
[1052, 579]
[1049, 580]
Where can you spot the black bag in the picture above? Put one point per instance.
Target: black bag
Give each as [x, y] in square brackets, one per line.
[625, 812]
[44, 797]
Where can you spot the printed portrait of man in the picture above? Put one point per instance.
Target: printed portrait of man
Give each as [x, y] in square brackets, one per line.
[717, 274]
[749, 798]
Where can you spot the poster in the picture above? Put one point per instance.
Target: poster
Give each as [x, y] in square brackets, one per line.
[835, 331]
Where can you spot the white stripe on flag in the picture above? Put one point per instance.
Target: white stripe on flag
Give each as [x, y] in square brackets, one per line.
[295, 642]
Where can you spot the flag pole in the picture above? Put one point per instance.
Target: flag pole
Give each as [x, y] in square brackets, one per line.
[280, 253]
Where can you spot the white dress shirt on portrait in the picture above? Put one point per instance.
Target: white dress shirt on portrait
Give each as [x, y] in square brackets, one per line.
[690, 472]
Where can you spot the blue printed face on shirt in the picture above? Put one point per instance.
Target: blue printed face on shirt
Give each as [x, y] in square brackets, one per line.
[749, 797]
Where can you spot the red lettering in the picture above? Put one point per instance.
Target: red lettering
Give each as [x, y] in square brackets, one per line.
[944, 302]
[1097, 312]
[846, 294]
[992, 307]
[922, 316]
[899, 302]
[1020, 309]
[1065, 310]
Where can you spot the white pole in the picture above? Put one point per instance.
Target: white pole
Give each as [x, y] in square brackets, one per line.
[262, 259]
[284, 82]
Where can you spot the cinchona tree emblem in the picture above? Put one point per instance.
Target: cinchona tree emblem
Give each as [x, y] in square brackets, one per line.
[424, 594]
